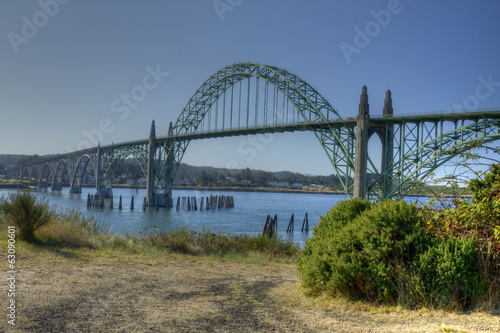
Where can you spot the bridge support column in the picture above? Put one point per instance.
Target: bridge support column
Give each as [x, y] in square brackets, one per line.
[387, 147]
[98, 171]
[360, 167]
[150, 190]
[75, 189]
[170, 168]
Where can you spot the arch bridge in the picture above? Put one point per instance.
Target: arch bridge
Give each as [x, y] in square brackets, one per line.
[250, 98]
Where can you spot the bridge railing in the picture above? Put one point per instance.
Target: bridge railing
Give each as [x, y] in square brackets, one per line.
[437, 113]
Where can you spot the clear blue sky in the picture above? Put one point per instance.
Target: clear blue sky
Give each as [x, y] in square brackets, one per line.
[65, 63]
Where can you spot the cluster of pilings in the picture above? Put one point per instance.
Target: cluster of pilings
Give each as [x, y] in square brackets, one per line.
[97, 201]
[271, 225]
[305, 224]
[206, 203]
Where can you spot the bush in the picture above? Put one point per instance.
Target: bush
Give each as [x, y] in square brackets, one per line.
[359, 250]
[447, 275]
[397, 253]
[319, 259]
[26, 213]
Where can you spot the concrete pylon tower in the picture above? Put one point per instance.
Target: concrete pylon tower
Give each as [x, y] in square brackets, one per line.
[98, 171]
[170, 167]
[387, 145]
[151, 166]
[360, 166]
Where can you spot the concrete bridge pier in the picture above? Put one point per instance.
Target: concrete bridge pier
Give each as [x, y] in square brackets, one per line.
[150, 189]
[75, 189]
[361, 158]
[170, 168]
[153, 198]
[364, 130]
[56, 187]
[387, 147]
[100, 187]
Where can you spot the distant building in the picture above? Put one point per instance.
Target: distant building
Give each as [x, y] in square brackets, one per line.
[183, 182]
[278, 184]
[297, 185]
[231, 179]
[246, 181]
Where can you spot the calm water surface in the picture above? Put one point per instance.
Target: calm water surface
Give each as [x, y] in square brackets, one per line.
[247, 217]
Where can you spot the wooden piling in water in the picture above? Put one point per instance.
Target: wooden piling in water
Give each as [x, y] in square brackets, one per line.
[266, 225]
[144, 204]
[132, 203]
[120, 203]
[305, 224]
[111, 203]
[290, 225]
[178, 206]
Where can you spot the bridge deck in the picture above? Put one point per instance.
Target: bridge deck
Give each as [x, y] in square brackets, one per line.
[305, 126]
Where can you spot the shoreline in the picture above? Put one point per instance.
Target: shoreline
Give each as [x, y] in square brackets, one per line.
[252, 189]
[233, 189]
[199, 188]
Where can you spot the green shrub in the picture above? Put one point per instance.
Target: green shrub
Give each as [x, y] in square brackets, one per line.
[389, 236]
[359, 250]
[26, 213]
[447, 275]
[319, 259]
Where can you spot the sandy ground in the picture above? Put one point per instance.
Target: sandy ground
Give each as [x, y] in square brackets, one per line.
[96, 291]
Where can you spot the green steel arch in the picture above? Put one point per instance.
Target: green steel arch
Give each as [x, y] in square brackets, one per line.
[337, 141]
[421, 146]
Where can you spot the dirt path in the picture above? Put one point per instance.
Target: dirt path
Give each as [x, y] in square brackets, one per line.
[89, 291]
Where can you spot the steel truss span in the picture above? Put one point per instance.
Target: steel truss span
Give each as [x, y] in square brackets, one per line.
[248, 98]
[251, 98]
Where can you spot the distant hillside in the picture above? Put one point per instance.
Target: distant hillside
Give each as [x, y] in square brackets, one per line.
[10, 160]
[201, 175]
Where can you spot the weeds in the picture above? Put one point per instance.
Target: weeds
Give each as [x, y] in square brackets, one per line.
[206, 242]
[28, 214]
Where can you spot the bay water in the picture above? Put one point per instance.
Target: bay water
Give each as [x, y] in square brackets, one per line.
[248, 215]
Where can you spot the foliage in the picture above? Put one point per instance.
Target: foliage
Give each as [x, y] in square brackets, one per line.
[194, 242]
[26, 213]
[326, 261]
[397, 253]
[487, 189]
[446, 274]
[72, 228]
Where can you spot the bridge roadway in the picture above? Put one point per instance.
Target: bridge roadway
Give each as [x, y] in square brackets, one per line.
[451, 116]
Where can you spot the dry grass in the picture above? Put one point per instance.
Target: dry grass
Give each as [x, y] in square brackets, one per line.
[81, 289]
